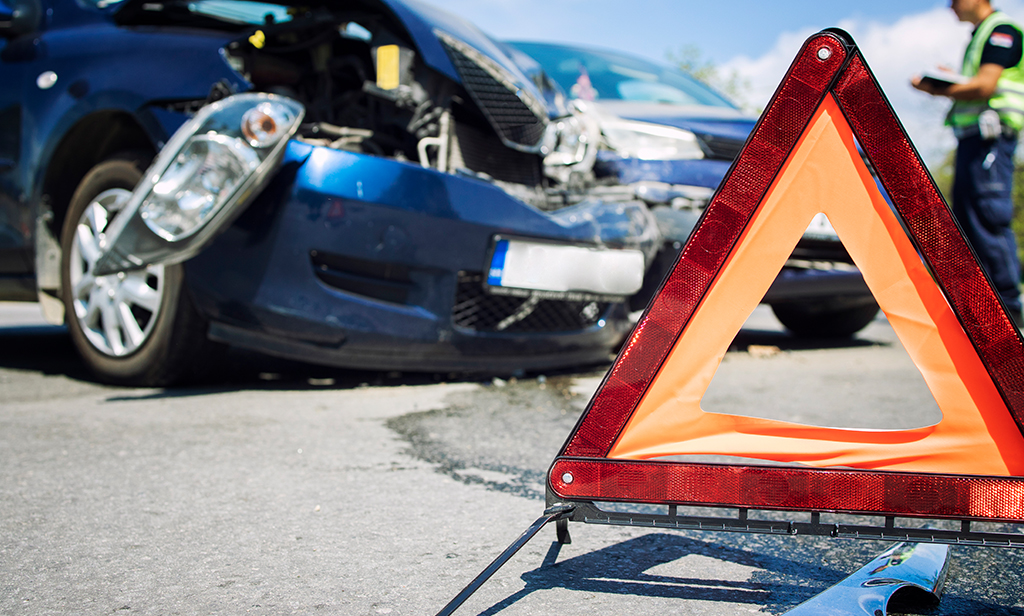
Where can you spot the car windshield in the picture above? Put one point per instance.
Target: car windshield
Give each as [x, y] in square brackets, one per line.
[591, 74]
[240, 11]
[234, 11]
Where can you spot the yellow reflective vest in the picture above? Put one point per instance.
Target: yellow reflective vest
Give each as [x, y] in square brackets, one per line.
[1008, 100]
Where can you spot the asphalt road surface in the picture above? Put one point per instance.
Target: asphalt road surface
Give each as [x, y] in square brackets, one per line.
[288, 489]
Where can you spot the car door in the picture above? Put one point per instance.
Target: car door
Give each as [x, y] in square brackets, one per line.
[17, 20]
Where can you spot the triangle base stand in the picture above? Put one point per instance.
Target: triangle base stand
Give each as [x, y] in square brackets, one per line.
[910, 540]
[591, 513]
[551, 514]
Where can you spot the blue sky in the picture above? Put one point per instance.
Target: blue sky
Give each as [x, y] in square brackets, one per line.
[756, 39]
[722, 28]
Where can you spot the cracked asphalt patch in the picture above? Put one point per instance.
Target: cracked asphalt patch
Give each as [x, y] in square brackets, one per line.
[502, 436]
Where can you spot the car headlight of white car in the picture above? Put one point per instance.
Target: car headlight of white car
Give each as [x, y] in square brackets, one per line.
[202, 179]
[647, 141]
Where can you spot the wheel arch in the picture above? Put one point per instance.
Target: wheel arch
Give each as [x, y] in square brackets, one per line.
[93, 139]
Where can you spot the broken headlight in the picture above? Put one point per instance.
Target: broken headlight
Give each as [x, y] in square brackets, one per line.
[650, 141]
[201, 180]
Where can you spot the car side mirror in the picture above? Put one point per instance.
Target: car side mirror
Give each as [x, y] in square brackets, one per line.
[19, 17]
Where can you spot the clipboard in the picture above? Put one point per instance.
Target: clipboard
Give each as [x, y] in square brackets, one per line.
[943, 79]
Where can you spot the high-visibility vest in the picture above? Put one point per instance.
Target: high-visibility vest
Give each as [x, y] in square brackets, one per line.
[1008, 100]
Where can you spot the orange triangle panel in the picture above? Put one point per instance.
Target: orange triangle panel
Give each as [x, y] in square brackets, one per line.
[802, 159]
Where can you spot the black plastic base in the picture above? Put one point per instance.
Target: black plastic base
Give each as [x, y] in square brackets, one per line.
[591, 513]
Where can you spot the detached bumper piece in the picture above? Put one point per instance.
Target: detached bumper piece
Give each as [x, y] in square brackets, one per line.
[910, 572]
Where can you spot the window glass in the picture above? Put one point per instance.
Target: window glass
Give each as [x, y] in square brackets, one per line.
[593, 75]
[240, 11]
[234, 11]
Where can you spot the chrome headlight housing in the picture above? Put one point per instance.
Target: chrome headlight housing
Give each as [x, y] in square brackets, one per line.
[202, 179]
[647, 141]
[571, 142]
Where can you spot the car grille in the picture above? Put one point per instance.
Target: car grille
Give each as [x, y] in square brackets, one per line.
[517, 121]
[482, 152]
[720, 148]
[478, 311]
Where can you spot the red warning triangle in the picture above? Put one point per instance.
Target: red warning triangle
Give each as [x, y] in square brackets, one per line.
[802, 159]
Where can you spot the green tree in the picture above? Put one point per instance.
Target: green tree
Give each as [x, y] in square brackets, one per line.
[1018, 208]
[943, 175]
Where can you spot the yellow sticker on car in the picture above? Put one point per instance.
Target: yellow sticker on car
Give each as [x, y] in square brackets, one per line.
[388, 67]
[258, 39]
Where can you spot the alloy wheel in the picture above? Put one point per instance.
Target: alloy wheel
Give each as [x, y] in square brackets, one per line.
[116, 312]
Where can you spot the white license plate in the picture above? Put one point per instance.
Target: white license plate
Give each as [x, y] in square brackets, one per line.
[536, 266]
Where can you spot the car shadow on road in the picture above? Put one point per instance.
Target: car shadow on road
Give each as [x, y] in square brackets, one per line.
[47, 349]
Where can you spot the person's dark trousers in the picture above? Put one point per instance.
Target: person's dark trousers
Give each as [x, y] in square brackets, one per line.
[983, 205]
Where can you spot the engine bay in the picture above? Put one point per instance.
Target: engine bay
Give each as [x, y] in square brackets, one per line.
[367, 90]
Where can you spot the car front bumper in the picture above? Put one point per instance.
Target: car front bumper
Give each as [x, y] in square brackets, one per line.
[366, 262]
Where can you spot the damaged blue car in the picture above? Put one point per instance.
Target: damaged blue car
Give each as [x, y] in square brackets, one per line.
[372, 184]
[674, 139]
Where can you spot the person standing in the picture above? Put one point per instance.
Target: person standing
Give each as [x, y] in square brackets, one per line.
[987, 115]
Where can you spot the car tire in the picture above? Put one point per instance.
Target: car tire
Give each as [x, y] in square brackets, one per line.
[824, 319]
[131, 328]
